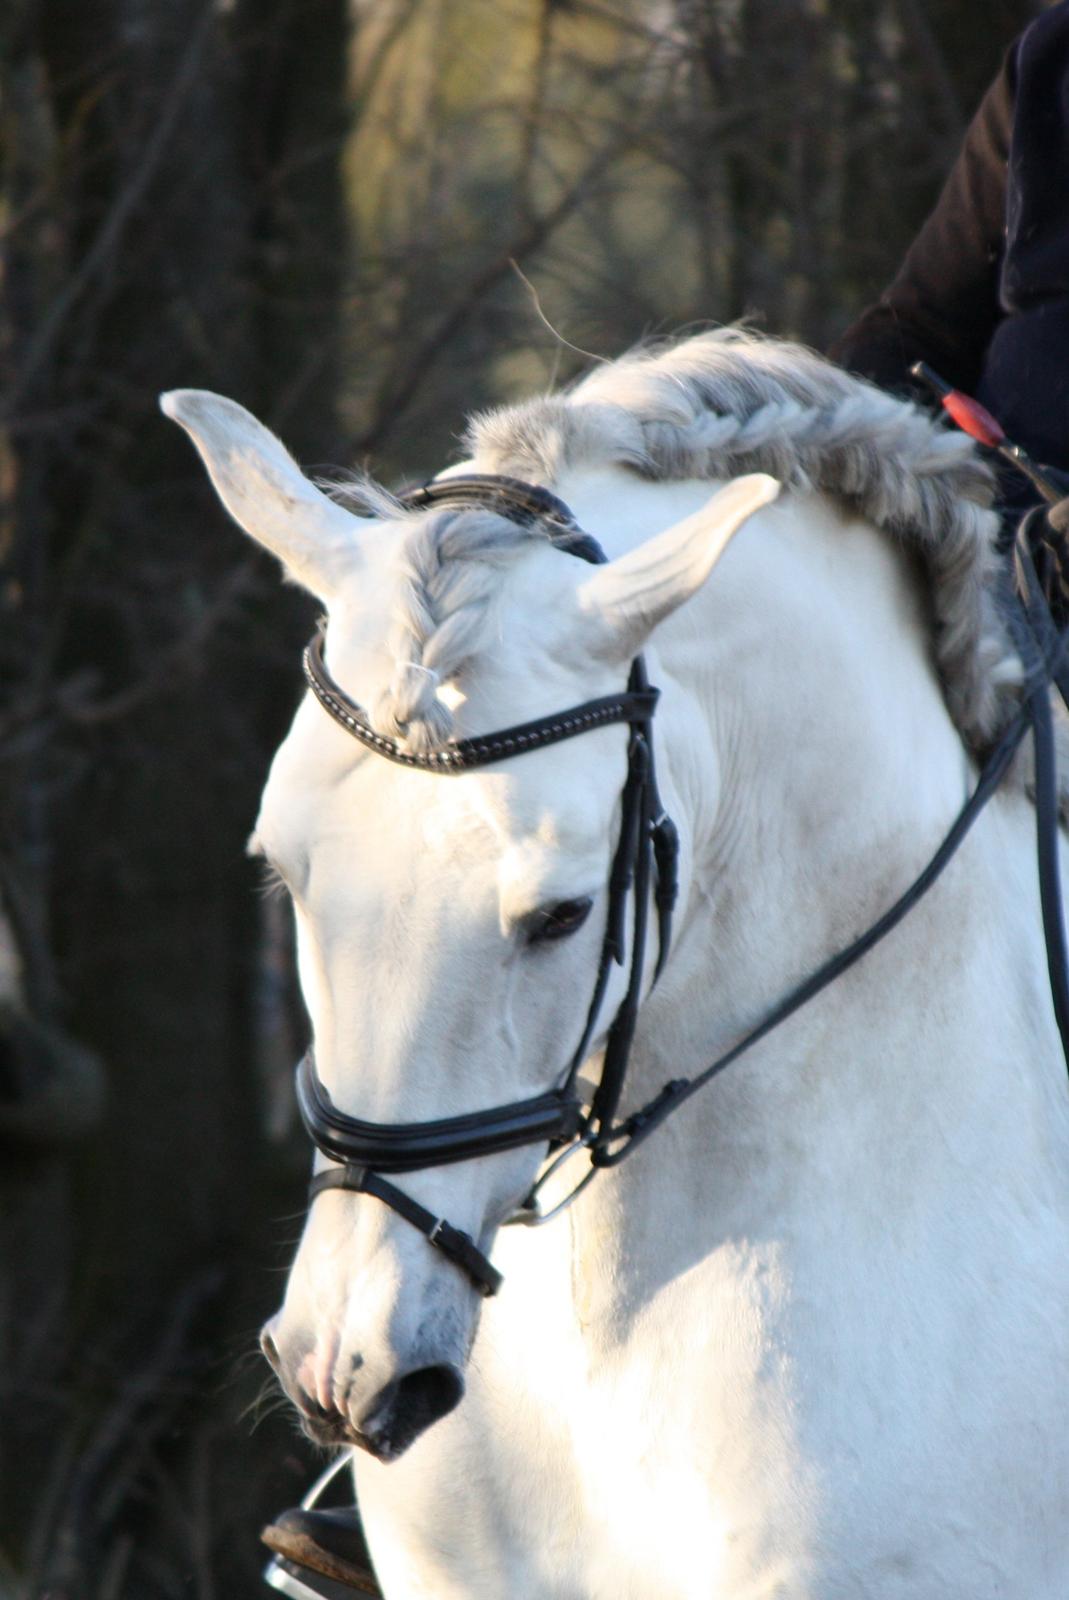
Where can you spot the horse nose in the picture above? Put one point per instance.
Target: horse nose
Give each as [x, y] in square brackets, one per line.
[407, 1407]
[268, 1345]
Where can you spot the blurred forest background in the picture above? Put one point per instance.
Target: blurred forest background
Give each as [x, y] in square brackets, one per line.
[317, 207]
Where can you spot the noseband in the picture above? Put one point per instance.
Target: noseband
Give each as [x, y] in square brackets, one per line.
[646, 856]
[644, 866]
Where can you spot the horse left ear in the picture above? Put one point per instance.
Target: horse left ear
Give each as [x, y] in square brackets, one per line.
[260, 484]
[627, 598]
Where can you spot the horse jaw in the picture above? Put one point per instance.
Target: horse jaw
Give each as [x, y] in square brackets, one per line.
[266, 493]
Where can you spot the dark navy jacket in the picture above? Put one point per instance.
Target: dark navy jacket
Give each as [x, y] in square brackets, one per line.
[983, 293]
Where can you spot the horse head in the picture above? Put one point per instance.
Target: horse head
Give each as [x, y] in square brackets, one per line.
[449, 928]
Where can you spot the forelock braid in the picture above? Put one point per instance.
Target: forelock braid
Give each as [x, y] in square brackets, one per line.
[440, 602]
[410, 699]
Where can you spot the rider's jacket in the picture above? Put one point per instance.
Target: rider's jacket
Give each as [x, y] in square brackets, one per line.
[983, 292]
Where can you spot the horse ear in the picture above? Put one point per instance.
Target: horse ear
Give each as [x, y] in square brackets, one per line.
[265, 491]
[627, 598]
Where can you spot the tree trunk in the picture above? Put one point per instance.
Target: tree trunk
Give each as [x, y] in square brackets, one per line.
[174, 219]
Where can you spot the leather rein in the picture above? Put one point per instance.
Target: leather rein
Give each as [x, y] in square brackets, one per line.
[571, 1117]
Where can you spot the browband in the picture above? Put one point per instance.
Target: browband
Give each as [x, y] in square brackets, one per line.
[460, 755]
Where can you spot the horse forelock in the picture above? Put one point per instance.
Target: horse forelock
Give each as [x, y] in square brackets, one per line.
[444, 577]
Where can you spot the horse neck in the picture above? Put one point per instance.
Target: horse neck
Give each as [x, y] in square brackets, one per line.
[828, 766]
[807, 745]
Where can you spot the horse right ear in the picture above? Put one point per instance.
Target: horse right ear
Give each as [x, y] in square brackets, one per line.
[265, 491]
[623, 601]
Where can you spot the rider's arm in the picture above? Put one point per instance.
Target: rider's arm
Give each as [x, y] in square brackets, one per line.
[943, 305]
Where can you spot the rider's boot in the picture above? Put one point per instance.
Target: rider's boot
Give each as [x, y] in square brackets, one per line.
[322, 1550]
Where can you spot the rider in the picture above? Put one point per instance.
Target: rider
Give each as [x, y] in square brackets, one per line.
[983, 292]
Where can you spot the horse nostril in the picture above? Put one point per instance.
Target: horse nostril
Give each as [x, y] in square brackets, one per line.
[430, 1393]
[269, 1347]
[407, 1408]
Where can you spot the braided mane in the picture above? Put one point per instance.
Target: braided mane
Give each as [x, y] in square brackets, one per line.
[715, 406]
[731, 401]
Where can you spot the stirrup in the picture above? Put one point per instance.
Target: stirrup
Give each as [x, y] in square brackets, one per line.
[289, 1571]
[300, 1583]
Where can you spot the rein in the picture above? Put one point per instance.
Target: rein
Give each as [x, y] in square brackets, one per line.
[645, 859]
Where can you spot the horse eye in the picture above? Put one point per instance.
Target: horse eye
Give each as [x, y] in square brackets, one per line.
[557, 922]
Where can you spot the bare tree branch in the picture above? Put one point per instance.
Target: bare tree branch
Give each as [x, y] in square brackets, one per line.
[107, 240]
[400, 389]
[919, 30]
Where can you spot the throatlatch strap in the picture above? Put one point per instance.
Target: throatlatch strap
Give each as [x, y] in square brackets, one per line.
[458, 1246]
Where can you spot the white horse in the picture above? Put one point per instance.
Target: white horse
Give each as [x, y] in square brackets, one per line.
[812, 1340]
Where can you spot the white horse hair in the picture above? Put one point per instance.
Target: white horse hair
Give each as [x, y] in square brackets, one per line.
[812, 1340]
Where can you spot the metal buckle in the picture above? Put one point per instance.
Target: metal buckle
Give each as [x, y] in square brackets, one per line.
[302, 1583]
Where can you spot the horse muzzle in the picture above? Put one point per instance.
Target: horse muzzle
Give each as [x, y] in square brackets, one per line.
[381, 1406]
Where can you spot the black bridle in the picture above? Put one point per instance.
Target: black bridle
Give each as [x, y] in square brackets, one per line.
[646, 855]
[644, 866]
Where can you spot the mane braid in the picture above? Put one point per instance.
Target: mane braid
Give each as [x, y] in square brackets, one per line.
[729, 402]
[714, 406]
